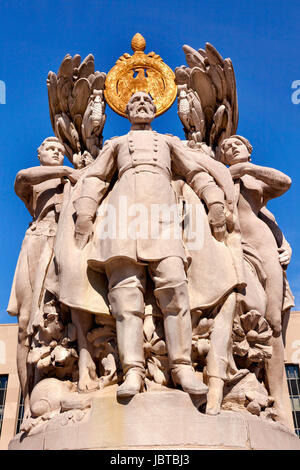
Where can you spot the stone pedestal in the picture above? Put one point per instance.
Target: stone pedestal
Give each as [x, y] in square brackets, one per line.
[154, 420]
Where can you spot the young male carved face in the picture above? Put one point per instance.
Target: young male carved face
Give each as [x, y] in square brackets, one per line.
[234, 151]
[140, 108]
[51, 153]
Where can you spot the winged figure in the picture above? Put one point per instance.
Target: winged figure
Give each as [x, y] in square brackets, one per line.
[156, 86]
[141, 80]
[207, 97]
[77, 108]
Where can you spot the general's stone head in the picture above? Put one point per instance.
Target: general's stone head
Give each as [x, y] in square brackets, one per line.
[235, 149]
[51, 152]
[140, 108]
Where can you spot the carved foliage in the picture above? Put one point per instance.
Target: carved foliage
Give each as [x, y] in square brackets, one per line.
[77, 106]
[53, 349]
[207, 98]
[251, 336]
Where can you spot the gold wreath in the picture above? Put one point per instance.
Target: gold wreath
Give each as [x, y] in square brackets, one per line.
[140, 72]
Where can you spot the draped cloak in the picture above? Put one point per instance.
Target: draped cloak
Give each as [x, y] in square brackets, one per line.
[213, 268]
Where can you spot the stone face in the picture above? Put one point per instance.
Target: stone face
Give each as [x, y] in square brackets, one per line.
[156, 420]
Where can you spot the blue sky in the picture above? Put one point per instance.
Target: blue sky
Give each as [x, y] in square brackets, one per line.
[261, 37]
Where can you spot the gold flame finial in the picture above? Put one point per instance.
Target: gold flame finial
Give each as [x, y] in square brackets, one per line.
[138, 43]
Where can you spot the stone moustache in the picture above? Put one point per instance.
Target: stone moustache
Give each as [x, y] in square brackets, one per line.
[124, 316]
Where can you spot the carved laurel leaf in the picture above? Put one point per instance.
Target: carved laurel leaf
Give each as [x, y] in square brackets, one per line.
[66, 132]
[201, 83]
[80, 94]
[64, 90]
[76, 61]
[54, 107]
[216, 74]
[204, 328]
[149, 327]
[87, 67]
[213, 55]
[182, 76]
[155, 369]
[193, 58]
[159, 348]
[99, 81]
[231, 93]
[66, 68]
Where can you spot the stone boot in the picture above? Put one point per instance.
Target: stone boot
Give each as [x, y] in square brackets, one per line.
[186, 377]
[132, 384]
[127, 306]
[174, 303]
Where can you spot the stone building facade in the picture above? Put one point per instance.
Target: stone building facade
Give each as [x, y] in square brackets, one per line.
[10, 392]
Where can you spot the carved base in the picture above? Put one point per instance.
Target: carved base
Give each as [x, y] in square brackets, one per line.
[153, 420]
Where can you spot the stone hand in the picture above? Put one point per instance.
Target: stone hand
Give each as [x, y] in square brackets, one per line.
[83, 230]
[72, 174]
[285, 253]
[238, 169]
[217, 221]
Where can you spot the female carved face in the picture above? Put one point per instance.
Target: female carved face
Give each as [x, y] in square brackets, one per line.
[235, 151]
[51, 154]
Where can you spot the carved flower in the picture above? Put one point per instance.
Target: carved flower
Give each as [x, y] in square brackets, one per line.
[103, 338]
[251, 336]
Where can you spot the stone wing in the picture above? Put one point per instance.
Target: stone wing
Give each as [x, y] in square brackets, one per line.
[207, 96]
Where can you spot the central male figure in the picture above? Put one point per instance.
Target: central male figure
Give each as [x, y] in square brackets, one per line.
[145, 161]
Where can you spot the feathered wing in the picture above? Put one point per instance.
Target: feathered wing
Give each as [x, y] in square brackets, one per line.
[207, 97]
[125, 86]
[77, 107]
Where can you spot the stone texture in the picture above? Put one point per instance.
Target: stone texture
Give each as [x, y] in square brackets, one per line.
[137, 423]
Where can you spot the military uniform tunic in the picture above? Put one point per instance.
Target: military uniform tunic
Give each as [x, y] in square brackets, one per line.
[143, 199]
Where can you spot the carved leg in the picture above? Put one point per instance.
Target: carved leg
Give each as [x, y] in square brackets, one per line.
[126, 297]
[127, 306]
[275, 376]
[172, 296]
[219, 354]
[88, 379]
[215, 396]
[274, 291]
[24, 370]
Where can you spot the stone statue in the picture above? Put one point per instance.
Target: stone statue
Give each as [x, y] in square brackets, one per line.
[285, 253]
[41, 190]
[153, 276]
[257, 185]
[143, 160]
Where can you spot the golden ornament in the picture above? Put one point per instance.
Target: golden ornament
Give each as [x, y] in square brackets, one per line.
[140, 72]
